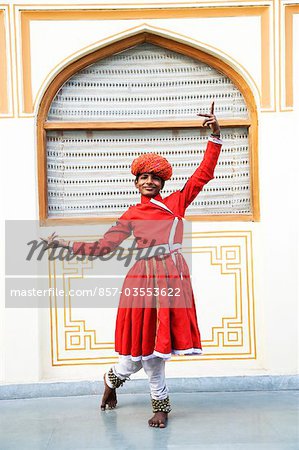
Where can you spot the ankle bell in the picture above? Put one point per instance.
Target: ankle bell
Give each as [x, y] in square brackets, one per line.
[161, 405]
[114, 380]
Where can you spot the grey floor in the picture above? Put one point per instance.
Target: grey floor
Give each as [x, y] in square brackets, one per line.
[203, 421]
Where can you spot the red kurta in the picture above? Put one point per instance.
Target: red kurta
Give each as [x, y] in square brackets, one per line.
[151, 323]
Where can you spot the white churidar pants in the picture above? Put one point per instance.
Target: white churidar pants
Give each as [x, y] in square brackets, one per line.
[154, 368]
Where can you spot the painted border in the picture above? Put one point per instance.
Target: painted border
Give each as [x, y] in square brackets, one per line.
[24, 15]
[287, 12]
[6, 83]
[247, 276]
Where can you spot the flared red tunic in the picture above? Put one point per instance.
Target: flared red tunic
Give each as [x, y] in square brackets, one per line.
[156, 314]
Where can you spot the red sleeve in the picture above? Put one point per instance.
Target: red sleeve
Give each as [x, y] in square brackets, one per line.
[111, 239]
[202, 175]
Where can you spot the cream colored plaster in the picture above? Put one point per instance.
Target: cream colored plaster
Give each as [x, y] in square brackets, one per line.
[47, 52]
[162, 32]
[229, 36]
[20, 174]
[296, 63]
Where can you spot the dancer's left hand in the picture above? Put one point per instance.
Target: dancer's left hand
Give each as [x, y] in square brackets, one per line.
[211, 121]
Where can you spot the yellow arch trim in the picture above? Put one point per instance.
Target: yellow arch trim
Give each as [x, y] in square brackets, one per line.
[26, 16]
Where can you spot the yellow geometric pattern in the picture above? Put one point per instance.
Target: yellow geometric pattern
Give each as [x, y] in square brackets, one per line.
[234, 336]
[77, 336]
[231, 337]
[231, 329]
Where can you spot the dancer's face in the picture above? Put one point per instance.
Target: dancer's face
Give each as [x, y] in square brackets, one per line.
[149, 184]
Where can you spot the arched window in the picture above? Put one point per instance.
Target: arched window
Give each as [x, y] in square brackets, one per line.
[137, 95]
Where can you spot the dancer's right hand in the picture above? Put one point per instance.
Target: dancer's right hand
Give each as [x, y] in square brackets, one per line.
[53, 242]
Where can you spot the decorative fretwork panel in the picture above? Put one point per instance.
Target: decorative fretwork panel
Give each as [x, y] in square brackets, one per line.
[146, 82]
[83, 335]
[89, 172]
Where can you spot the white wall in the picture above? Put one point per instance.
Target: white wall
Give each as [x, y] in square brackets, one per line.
[25, 334]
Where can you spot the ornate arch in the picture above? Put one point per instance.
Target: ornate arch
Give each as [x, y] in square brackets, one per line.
[144, 36]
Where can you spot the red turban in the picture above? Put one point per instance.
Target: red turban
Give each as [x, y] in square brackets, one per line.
[152, 163]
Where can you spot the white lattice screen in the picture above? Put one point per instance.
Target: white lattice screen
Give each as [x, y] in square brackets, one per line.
[89, 170]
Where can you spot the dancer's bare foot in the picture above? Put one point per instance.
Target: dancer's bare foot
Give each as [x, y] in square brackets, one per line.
[109, 397]
[159, 420]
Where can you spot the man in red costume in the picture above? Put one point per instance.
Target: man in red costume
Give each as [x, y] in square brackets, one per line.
[148, 332]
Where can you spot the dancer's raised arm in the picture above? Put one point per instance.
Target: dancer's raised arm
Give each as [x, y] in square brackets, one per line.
[205, 172]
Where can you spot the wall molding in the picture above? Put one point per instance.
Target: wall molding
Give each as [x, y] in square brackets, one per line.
[180, 385]
[276, 38]
[6, 82]
[286, 42]
[25, 14]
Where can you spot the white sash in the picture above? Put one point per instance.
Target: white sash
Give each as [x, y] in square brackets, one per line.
[156, 202]
[172, 245]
